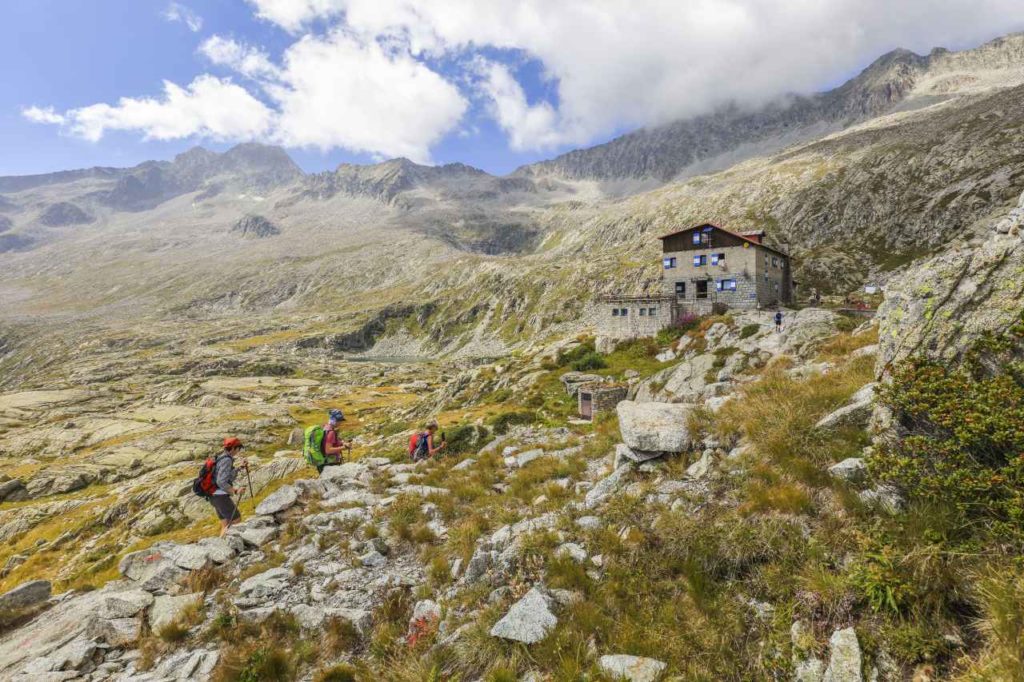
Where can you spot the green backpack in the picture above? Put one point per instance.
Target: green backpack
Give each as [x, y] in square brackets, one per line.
[313, 446]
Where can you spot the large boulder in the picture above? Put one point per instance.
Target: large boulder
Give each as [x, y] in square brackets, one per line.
[607, 486]
[632, 668]
[528, 621]
[851, 470]
[855, 413]
[25, 595]
[682, 383]
[167, 609]
[844, 663]
[942, 306]
[125, 604]
[151, 569]
[654, 427]
[279, 500]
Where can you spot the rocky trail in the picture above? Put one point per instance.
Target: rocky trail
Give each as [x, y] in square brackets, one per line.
[337, 547]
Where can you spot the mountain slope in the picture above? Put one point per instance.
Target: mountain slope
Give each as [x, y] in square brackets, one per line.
[712, 142]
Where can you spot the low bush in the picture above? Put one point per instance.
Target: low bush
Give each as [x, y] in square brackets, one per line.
[567, 357]
[590, 361]
[964, 443]
[749, 330]
[683, 324]
[464, 438]
[503, 422]
[336, 673]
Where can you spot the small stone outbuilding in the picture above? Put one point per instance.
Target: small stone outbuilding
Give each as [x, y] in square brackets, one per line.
[599, 398]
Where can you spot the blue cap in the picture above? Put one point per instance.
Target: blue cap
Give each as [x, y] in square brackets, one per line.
[336, 415]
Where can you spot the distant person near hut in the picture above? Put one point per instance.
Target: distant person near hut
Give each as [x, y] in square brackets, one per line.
[778, 321]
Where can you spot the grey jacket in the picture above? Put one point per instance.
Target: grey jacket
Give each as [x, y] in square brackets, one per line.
[224, 472]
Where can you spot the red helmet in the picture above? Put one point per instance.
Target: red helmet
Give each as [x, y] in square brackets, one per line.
[232, 443]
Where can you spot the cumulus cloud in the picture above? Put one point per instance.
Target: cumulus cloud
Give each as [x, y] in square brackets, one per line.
[177, 12]
[42, 115]
[619, 63]
[340, 91]
[208, 107]
[249, 61]
[291, 15]
[364, 75]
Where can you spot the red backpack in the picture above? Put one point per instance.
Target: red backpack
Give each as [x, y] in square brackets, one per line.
[204, 485]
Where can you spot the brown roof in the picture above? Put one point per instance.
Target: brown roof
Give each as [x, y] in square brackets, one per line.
[739, 235]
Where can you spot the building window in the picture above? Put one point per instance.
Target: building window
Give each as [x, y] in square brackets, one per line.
[718, 259]
[669, 263]
[643, 312]
[681, 289]
[726, 285]
[766, 276]
[625, 312]
[700, 260]
[696, 237]
[775, 262]
[615, 312]
[652, 312]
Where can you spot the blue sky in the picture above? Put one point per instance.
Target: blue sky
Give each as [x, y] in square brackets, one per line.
[491, 83]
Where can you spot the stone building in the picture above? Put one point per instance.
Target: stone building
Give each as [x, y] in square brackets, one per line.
[704, 268]
[599, 398]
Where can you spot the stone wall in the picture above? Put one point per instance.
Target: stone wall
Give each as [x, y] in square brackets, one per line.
[604, 397]
[642, 317]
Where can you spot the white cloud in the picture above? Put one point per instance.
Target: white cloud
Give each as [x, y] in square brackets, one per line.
[42, 115]
[292, 14]
[249, 61]
[180, 13]
[620, 63]
[208, 107]
[361, 75]
[340, 91]
[527, 125]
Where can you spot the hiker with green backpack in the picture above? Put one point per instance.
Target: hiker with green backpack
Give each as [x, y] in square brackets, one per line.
[323, 446]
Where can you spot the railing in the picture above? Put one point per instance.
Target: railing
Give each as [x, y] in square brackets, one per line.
[612, 298]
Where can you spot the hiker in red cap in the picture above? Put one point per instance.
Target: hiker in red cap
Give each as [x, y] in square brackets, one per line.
[224, 474]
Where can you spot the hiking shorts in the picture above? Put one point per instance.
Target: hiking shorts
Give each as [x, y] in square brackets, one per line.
[225, 508]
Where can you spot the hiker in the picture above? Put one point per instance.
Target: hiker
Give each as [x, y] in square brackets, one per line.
[224, 474]
[421, 444]
[778, 321]
[334, 444]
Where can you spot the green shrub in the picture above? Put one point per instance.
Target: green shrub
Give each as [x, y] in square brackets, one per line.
[464, 438]
[964, 443]
[503, 422]
[337, 673]
[588, 362]
[567, 357]
[683, 324]
[267, 664]
[749, 330]
[638, 348]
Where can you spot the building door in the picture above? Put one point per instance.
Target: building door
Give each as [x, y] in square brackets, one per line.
[702, 288]
[586, 405]
[680, 289]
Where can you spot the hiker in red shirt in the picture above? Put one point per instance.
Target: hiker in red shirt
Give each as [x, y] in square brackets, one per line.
[334, 444]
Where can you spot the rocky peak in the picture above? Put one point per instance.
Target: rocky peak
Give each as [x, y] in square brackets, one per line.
[731, 134]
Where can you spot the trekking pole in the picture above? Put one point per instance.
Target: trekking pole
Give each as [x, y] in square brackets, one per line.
[248, 477]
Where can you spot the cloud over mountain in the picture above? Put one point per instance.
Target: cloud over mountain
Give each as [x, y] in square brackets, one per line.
[395, 77]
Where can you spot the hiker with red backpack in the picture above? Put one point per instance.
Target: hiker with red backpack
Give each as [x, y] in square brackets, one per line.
[421, 443]
[216, 482]
[323, 446]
